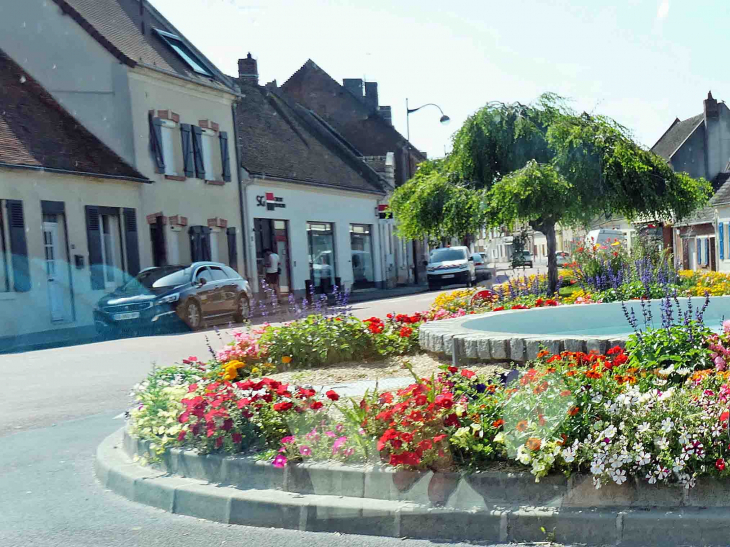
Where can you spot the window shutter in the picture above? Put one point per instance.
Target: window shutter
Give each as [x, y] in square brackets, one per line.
[195, 243]
[187, 150]
[707, 251]
[232, 248]
[225, 157]
[156, 143]
[721, 241]
[93, 234]
[205, 243]
[131, 241]
[198, 152]
[18, 246]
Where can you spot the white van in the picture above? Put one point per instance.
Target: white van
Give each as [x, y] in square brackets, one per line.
[605, 236]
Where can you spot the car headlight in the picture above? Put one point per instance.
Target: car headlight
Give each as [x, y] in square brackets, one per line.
[169, 299]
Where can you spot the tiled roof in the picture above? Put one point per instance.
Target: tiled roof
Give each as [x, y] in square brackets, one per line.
[367, 131]
[676, 135]
[701, 216]
[722, 189]
[35, 131]
[128, 33]
[278, 138]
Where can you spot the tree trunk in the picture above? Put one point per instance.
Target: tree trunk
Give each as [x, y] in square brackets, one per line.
[548, 228]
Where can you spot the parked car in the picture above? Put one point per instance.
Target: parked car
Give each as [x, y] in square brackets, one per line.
[168, 295]
[522, 258]
[481, 268]
[604, 236]
[563, 258]
[449, 266]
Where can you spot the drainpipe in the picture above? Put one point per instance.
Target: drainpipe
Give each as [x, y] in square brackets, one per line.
[241, 201]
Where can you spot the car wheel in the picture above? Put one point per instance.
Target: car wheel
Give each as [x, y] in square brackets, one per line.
[192, 315]
[243, 309]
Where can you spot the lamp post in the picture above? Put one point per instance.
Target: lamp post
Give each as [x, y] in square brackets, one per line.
[444, 120]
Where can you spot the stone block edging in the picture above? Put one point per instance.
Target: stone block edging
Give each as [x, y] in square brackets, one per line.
[270, 507]
[450, 337]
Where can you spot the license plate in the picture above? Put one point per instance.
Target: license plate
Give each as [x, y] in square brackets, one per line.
[447, 276]
[125, 316]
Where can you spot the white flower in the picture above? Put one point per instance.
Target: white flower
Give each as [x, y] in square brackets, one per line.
[523, 456]
[643, 428]
[662, 444]
[619, 476]
[662, 472]
[667, 394]
[667, 425]
[597, 398]
[568, 455]
[609, 432]
[683, 371]
[651, 478]
[683, 438]
[611, 408]
[596, 482]
[643, 458]
[678, 466]
[597, 468]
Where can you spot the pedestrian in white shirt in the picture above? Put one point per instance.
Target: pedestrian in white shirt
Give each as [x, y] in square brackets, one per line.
[271, 267]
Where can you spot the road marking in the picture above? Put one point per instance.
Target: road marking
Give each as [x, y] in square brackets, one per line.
[119, 416]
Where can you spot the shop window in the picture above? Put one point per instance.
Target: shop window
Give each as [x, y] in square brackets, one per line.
[361, 247]
[322, 258]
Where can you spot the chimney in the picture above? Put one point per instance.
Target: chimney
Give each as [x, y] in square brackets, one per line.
[371, 95]
[711, 108]
[354, 86]
[248, 71]
[386, 114]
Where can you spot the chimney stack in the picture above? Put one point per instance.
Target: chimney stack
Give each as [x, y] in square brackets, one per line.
[711, 108]
[354, 86]
[248, 71]
[371, 95]
[386, 114]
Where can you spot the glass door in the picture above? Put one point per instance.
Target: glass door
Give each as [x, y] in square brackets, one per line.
[361, 247]
[322, 259]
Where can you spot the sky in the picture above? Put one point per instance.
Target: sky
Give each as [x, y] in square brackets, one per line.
[642, 62]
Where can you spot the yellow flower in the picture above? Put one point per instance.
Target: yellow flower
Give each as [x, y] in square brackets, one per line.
[616, 243]
[255, 370]
[286, 359]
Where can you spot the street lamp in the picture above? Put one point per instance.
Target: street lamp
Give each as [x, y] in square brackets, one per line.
[444, 118]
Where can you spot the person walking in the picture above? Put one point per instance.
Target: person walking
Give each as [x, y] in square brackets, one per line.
[271, 265]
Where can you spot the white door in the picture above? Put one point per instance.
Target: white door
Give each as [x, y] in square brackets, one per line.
[54, 272]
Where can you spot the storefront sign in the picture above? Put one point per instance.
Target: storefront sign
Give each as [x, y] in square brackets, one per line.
[270, 201]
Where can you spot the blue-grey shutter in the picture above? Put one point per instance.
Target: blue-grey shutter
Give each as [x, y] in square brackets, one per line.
[131, 240]
[18, 246]
[198, 152]
[225, 157]
[156, 143]
[187, 150]
[721, 241]
[232, 248]
[205, 243]
[707, 251]
[93, 235]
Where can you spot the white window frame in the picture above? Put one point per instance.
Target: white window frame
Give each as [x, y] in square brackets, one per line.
[168, 147]
[722, 224]
[109, 268]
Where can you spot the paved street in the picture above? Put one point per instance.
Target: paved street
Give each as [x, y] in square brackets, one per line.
[58, 404]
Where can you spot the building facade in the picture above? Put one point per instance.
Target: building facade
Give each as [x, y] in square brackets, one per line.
[70, 216]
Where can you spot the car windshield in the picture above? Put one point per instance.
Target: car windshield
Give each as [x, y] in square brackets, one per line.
[157, 279]
[445, 255]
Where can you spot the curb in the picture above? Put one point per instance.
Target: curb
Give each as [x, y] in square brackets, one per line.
[272, 507]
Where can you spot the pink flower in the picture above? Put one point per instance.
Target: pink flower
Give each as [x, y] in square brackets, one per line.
[279, 461]
[349, 452]
[287, 440]
[726, 326]
[338, 444]
[305, 450]
[719, 363]
[330, 434]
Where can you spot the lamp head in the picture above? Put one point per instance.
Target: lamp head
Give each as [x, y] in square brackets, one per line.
[445, 119]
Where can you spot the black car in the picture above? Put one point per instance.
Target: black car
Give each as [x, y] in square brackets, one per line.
[169, 295]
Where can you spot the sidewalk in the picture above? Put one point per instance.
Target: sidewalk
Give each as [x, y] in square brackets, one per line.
[380, 294]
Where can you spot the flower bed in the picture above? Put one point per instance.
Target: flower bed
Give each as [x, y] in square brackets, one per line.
[657, 411]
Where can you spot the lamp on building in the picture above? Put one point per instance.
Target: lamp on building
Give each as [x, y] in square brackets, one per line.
[444, 118]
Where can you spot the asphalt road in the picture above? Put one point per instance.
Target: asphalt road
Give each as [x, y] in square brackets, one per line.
[58, 404]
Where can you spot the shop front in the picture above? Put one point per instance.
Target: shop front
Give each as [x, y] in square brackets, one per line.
[324, 238]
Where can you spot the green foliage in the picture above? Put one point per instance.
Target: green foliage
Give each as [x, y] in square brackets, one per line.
[676, 351]
[317, 340]
[430, 205]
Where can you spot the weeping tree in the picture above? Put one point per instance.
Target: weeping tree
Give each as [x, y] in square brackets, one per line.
[543, 164]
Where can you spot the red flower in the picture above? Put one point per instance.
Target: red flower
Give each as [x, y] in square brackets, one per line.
[386, 397]
[425, 444]
[498, 423]
[614, 350]
[498, 308]
[451, 420]
[376, 328]
[406, 437]
[453, 370]
[316, 405]
[332, 396]
[720, 464]
[439, 438]
[306, 392]
[421, 400]
[539, 302]
[405, 332]
[181, 435]
[468, 373]
[282, 407]
[552, 302]
[237, 438]
[724, 416]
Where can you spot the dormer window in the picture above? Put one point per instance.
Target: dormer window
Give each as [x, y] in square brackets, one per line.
[184, 52]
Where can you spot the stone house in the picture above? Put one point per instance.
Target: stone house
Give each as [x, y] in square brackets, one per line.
[69, 211]
[700, 146]
[133, 80]
[308, 196]
[353, 112]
